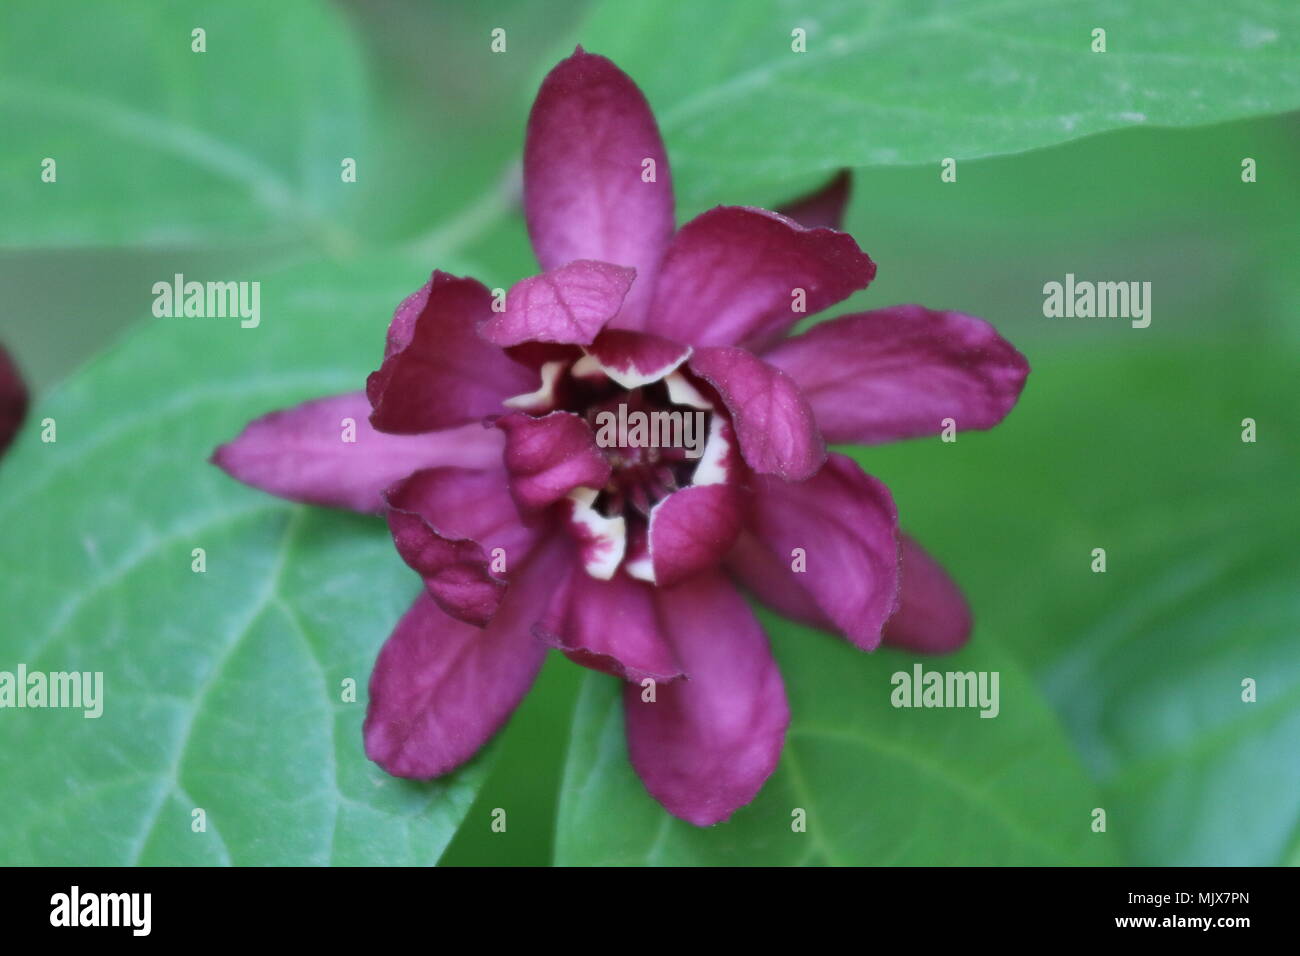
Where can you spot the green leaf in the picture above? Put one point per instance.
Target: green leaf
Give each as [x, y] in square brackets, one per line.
[892, 82]
[156, 144]
[879, 784]
[222, 689]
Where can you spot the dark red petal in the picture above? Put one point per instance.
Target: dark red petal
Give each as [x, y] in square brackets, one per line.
[589, 135]
[13, 400]
[448, 524]
[549, 457]
[302, 454]
[899, 372]
[774, 424]
[823, 208]
[731, 274]
[705, 745]
[845, 528]
[933, 616]
[439, 372]
[568, 305]
[441, 687]
[692, 530]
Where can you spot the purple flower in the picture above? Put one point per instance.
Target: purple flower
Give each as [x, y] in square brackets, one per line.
[530, 534]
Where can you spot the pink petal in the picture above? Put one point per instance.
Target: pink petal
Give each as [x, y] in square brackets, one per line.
[932, 615]
[899, 372]
[844, 525]
[692, 530]
[589, 134]
[633, 359]
[569, 305]
[705, 745]
[448, 524]
[13, 400]
[610, 626]
[774, 423]
[438, 371]
[300, 453]
[730, 277]
[441, 688]
[549, 457]
[824, 207]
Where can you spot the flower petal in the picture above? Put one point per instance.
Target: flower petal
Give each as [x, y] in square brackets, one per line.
[549, 457]
[824, 207]
[691, 531]
[303, 453]
[632, 359]
[13, 399]
[705, 745]
[732, 274]
[899, 372]
[441, 687]
[774, 423]
[610, 626]
[448, 524]
[933, 616]
[438, 371]
[569, 305]
[826, 549]
[585, 190]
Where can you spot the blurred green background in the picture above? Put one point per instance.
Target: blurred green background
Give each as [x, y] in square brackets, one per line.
[1122, 690]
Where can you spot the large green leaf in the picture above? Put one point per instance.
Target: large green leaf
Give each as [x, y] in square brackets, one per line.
[892, 82]
[157, 144]
[878, 784]
[222, 688]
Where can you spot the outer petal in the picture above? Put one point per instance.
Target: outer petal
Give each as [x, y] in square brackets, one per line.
[932, 615]
[823, 208]
[774, 423]
[585, 195]
[438, 371]
[705, 745]
[13, 400]
[302, 453]
[899, 372]
[549, 457]
[610, 626]
[845, 526]
[447, 523]
[569, 305]
[731, 274]
[441, 688]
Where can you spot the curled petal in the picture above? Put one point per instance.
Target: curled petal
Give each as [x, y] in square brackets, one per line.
[632, 359]
[13, 400]
[568, 305]
[441, 687]
[774, 424]
[823, 208]
[825, 549]
[324, 452]
[461, 531]
[741, 276]
[610, 626]
[596, 177]
[933, 616]
[438, 371]
[691, 531]
[602, 541]
[899, 372]
[705, 745]
[549, 457]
